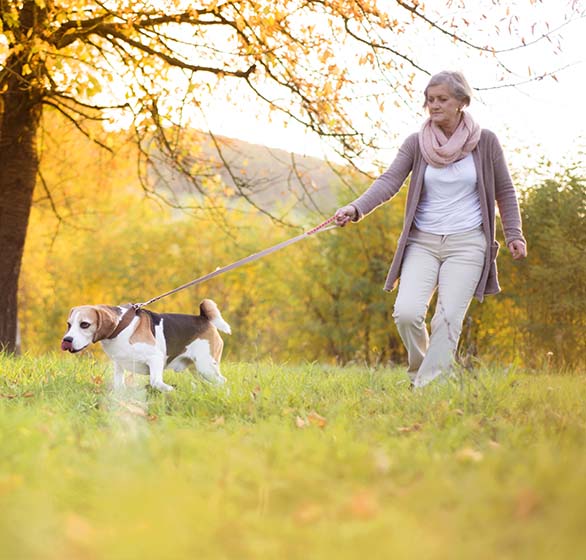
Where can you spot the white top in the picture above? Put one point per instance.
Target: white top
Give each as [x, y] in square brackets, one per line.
[449, 200]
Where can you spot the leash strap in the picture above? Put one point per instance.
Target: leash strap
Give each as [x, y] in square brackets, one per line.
[125, 320]
[324, 226]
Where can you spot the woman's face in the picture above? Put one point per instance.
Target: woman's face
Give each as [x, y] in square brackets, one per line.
[444, 108]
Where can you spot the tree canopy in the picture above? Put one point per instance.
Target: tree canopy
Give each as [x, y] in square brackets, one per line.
[318, 63]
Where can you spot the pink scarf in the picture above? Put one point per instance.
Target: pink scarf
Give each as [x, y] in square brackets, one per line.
[438, 150]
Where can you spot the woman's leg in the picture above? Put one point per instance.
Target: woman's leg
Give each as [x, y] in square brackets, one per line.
[462, 257]
[419, 276]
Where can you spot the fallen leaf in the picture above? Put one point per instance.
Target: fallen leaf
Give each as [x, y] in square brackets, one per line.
[255, 392]
[78, 529]
[458, 411]
[219, 421]
[10, 482]
[363, 505]
[316, 419]
[382, 462]
[133, 409]
[300, 422]
[526, 503]
[308, 513]
[469, 455]
[414, 428]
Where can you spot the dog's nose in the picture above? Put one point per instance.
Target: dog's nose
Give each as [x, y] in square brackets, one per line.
[67, 343]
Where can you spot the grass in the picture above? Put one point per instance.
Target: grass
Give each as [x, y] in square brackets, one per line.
[304, 462]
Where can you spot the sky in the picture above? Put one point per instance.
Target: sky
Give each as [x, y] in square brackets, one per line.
[538, 119]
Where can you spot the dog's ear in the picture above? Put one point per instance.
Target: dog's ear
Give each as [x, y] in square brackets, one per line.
[106, 320]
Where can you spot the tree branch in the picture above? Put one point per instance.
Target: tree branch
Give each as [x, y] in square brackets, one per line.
[534, 79]
[171, 60]
[413, 9]
[75, 122]
[73, 30]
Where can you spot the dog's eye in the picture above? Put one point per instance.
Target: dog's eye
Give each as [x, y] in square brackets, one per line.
[84, 325]
[68, 326]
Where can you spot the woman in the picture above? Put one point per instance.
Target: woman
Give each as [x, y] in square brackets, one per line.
[448, 243]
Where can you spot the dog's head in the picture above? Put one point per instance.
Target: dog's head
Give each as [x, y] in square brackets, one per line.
[87, 324]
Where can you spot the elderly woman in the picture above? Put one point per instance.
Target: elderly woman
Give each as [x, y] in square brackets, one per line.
[448, 243]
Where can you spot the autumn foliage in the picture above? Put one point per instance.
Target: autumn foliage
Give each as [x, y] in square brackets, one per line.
[320, 299]
[328, 67]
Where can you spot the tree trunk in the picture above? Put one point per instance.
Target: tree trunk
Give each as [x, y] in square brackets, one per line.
[18, 169]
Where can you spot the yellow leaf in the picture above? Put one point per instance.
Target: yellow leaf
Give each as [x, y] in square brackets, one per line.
[526, 503]
[317, 420]
[382, 462]
[78, 529]
[469, 455]
[300, 422]
[133, 409]
[308, 513]
[363, 505]
[414, 428]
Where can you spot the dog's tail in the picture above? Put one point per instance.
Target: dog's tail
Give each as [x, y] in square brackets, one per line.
[210, 311]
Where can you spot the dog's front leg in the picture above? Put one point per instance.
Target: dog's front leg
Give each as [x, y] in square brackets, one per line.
[156, 367]
[118, 376]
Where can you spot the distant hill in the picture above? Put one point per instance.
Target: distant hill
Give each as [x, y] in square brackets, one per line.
[271, 178]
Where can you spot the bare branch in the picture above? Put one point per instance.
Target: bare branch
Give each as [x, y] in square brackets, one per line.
[239, 184]
[71, 31]
[49, 197]
[173, 61]
[73, 100]
[534, 79]
[413, 9]
[304, 186]
[379, 46]
[76, 123]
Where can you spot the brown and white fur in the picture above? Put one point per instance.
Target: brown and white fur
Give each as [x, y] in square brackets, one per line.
[151, 342]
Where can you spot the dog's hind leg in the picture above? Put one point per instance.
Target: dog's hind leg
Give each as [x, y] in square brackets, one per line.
[118, 376]
[205, 363]
[156, 366]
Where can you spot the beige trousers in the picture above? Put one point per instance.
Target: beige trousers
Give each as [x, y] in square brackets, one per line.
[452, 264]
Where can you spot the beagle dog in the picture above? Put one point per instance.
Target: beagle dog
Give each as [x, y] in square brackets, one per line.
[141, 341]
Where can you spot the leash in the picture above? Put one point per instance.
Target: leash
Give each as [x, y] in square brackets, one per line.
[324, 226]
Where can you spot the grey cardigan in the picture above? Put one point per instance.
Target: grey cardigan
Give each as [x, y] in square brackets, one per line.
[494, 184]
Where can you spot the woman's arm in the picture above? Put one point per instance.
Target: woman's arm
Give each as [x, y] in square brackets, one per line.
[384, 187]
[506, 198]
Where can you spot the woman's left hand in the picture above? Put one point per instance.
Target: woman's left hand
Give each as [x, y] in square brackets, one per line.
[518, 249]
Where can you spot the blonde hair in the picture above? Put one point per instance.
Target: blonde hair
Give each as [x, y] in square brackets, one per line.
[458, 85]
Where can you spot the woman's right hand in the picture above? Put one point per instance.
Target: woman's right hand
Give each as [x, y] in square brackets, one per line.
[345, 214]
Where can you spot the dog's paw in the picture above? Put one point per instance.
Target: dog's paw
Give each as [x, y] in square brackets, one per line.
[163, 387]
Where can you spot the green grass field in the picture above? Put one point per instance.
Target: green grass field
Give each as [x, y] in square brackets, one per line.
[293, 462]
